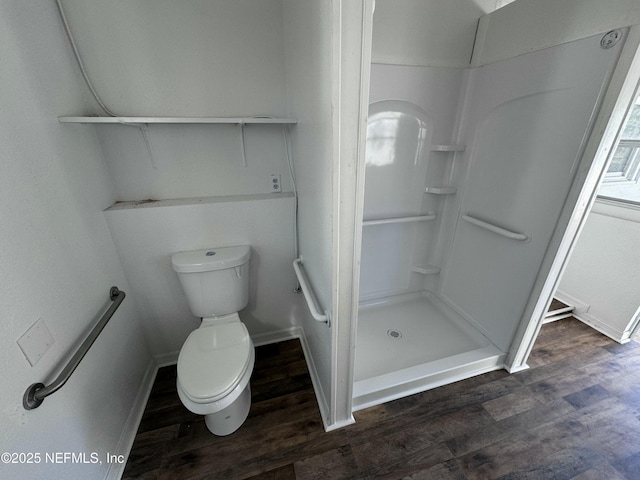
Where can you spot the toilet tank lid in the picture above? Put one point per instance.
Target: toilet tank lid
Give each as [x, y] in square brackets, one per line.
[210, 259]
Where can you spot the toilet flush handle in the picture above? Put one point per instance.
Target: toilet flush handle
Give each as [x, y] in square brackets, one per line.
[238, 273]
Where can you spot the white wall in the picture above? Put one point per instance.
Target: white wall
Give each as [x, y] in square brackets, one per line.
[58, 260]
[207, 58]
[196, 58]
[602, 275]
[188, 161]
[415, 32]
[204, 58]
[309, 86]
[147, 235]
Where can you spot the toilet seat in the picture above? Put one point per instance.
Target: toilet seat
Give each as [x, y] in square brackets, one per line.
[213, 360]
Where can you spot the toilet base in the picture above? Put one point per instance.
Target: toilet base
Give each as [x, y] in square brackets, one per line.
[231, 418]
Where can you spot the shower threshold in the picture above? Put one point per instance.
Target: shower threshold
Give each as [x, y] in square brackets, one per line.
[414, 342]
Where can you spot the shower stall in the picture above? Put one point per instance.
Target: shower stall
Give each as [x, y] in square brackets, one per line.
[467, 174]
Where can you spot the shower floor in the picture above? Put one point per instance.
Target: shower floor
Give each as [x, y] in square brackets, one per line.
[410, 343]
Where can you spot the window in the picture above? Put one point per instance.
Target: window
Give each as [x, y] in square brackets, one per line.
[621, 182]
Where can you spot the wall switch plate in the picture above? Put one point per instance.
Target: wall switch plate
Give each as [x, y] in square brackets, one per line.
[35, 341]
[276, 184]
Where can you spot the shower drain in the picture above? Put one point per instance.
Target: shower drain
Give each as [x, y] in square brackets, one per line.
[394, 333]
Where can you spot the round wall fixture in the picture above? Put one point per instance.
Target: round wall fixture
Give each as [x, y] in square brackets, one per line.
[610, 39]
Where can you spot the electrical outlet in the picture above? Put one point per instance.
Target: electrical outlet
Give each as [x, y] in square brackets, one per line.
[276, 186]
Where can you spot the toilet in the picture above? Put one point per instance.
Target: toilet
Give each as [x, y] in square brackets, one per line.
[216, 360]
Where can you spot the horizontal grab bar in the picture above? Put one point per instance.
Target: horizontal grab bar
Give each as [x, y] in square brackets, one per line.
[36, 393]
[309, 296]
[521, 237]
[384, 221]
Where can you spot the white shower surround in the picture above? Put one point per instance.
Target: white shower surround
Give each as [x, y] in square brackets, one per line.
[487, 279]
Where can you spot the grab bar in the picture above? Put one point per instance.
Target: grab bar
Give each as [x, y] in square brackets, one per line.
[385, 221]
[309, 296]
[36, 393]
[521, 237]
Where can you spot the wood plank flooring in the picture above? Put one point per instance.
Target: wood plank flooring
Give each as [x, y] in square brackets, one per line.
[574, 414]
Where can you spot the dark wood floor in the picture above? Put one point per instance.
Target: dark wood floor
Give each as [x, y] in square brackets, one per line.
[574, 414]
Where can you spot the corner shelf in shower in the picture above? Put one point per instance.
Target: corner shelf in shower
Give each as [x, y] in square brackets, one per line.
[443, 190]
[426, 269]
[178, 120]
[386, 221]
[448, 148]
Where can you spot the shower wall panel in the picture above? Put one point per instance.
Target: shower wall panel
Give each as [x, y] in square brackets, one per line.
[400, 164]
[526, 124]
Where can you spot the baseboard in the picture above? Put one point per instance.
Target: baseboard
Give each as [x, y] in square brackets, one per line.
[612, 333]
[365, 396]
[516, 369]
[166, 359]
[339, 425]
[579, 305]
[171, 358]
[276, 336]
[128, 434]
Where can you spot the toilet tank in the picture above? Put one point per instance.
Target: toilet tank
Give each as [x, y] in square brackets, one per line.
[215, 280]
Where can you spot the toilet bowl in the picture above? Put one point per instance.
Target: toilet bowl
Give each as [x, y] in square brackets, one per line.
[214, 368]
[217, 359]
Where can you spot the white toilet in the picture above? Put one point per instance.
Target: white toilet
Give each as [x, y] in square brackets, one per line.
[217, 359]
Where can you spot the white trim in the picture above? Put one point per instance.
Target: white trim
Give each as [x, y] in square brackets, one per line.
[440, 376]
[608, 330]
[340, 424]
[166, 359]
[276, 336]
[351, 43]
[519, 368]
[578, 305]
[130, 429]
[610, 207]
[321, 398]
